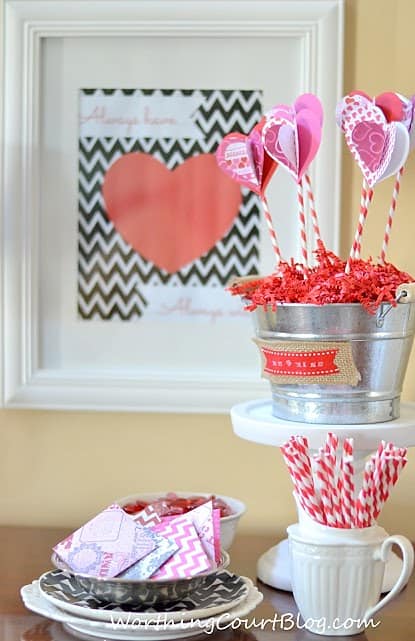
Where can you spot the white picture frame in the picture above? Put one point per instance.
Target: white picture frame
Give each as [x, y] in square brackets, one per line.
[314, 31]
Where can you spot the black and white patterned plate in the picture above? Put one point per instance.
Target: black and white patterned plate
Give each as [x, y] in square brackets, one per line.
[219, 593]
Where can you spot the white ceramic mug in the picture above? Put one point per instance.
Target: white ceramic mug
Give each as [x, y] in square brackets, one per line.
[337, 575]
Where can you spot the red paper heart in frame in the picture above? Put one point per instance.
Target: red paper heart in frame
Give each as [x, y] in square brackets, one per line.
[170, 217]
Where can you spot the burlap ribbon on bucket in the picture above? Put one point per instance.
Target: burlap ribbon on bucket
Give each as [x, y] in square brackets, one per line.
[308, 362]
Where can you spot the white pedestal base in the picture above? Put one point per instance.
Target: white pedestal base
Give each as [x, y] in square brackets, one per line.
[273, 568]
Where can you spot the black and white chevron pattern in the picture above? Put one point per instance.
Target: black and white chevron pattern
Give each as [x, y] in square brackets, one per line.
[109, 270]
[223, 588]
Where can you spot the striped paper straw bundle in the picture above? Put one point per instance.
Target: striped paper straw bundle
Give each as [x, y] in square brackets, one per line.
[324, 484]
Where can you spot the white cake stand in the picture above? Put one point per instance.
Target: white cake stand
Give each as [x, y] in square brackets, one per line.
[254, 422]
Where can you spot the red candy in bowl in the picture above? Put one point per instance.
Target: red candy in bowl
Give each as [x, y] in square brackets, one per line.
[175, 503]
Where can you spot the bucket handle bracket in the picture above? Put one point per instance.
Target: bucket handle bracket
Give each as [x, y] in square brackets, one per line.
[404, 294]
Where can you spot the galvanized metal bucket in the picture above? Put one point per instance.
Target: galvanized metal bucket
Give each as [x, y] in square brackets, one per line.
[337, 363]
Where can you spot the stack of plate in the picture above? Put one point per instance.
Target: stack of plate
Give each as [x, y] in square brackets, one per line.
[222, 599]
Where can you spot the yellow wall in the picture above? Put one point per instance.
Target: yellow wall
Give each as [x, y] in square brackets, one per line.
[60, 467]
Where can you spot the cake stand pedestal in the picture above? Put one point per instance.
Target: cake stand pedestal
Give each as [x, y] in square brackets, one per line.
[254, 422]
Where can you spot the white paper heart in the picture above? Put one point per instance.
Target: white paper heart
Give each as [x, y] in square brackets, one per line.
[288, 143]
[400, 152]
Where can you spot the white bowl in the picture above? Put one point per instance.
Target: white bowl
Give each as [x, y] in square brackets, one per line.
[228, 524]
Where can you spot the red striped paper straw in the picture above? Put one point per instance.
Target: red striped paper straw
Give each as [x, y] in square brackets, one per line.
[330, 450]
[306, 182]
[306, 484]
[300, 445]
[345, 484]
[303, 227]
[392, 210]
[366, 197]
[289, 461]
[391, 469]
[303, 483]
[326, 490]
[271, 230]
[364, 502]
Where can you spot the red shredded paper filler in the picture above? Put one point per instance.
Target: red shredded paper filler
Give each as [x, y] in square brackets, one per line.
[367, 283]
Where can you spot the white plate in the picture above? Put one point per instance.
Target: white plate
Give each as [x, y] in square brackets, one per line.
[219, 594]
[35, 601]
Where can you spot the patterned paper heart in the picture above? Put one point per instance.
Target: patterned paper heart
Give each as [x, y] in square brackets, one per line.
[354, 105]
[234, 157]
[281, 112]
[281, 143]
[265, 166]
[412, 125]
[293, 144]
[170, 217]
[243, 159]
[371, 142]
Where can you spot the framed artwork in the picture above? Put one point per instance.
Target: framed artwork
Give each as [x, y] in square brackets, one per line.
[161, 230]
[119, 231]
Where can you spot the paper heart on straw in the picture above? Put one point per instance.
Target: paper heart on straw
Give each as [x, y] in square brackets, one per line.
[372, 143]
[312, 103]
[400, 151]
[284, 112]
[265, 166]
[293, 144]
[234, 157]
[391, 105]
[243, 159]
[355, 106]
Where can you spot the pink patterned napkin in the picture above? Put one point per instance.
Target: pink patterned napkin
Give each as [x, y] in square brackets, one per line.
[207, 524]
[147, 517]
[216, 535]
[190, 559]
[106, 545]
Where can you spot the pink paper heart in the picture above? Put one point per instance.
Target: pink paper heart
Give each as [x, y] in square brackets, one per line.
[264, 165]
[235, 157]
[310, 102]
[412, 125]
[354, 107]
[280, 142]
[371, 143]
[293, 144]
[309, 138]
[280, 112]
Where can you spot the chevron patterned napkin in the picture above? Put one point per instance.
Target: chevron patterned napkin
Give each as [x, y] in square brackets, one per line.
[190, 558]
[106, 545]
[147, 517]
[207, 525]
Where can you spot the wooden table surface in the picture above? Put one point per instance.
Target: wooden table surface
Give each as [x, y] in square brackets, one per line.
[25, 553]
